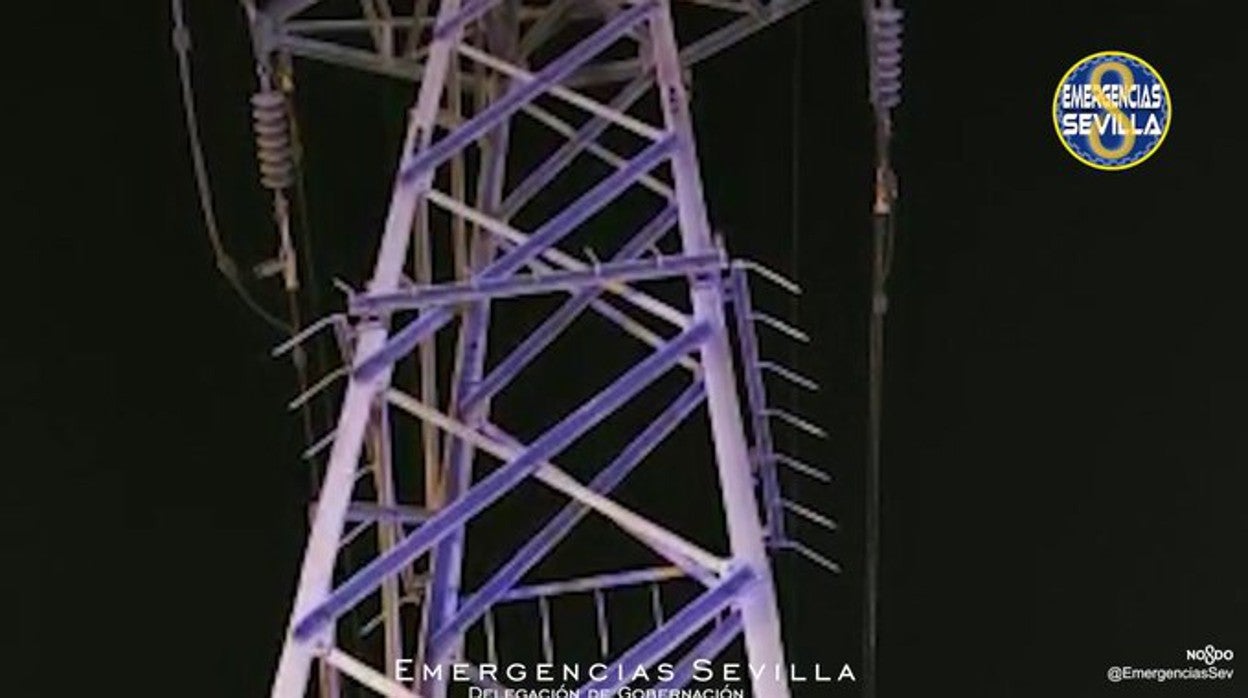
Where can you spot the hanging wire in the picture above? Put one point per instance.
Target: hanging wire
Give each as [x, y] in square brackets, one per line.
[491, 638]
[548, 642]
[304, 294]
[306, 257]
[604, 632]
[795, 204]
[225, 263]
[883, 37]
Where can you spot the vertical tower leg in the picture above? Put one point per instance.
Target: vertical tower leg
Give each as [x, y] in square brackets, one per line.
[316, 575]
[758, 608]
[446, 567]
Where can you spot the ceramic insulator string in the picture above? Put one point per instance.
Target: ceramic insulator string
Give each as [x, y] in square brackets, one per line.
[273, 143]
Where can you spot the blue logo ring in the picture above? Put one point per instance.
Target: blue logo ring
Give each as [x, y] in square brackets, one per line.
[1112, 110]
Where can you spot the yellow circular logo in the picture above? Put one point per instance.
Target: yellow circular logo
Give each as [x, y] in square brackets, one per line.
[1112, 110]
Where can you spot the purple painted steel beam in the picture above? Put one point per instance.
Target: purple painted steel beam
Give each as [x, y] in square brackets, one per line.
[545, 172]
[368, 511]
[534, 284]
[499, 482]
[402, 342]
[705, 47]
[691, 567]
[756, 393]
[657, 644]
[708, 648]
[553, 325]
[467, 12]
[562, 523]
[446, 561]
[587, 205]
[447, 557]
[510, 103]
[746, 535]
[612, 313]
[555, 229]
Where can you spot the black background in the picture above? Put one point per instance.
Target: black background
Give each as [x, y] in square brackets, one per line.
[1065, 433]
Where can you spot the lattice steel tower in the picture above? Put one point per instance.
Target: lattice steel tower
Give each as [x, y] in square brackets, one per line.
[480, 224]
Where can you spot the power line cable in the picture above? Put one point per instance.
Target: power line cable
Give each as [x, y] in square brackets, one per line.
[224, 262]
[883, 33]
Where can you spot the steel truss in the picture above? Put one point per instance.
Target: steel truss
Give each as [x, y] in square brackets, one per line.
[482, 66]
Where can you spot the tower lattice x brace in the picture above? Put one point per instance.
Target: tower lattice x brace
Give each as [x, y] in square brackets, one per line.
[609, 79]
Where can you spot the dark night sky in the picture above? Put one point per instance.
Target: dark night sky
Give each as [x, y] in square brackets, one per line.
[1065, 459]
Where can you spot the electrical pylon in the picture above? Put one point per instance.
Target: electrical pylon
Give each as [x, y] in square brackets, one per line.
[610, 80]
